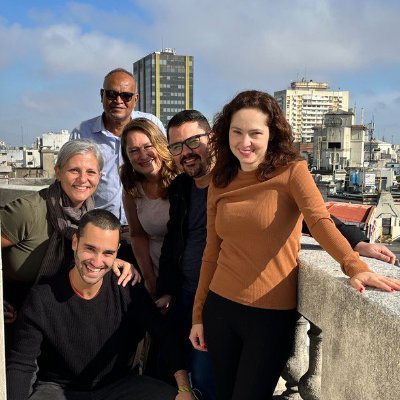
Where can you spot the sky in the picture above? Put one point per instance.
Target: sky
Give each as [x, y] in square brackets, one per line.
[54, 54]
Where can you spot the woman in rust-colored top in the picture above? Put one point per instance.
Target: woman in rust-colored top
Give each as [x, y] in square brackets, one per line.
[246, 297]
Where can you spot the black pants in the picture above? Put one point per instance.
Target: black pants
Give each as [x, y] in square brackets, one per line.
[249, 347]
[127, 388]
[125, 253]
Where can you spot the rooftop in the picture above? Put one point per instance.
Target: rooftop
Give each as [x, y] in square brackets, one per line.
[347, 212]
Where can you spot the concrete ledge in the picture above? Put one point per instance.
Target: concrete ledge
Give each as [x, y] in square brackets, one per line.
[3, 390]
[360, 350]
[12, 192]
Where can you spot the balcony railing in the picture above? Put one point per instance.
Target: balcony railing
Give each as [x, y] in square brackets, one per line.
[346, 342]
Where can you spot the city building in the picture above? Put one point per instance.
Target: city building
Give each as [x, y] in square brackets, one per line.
[379, 153]
[15, 156]
[338, 142]
[31, 158]
[5, 167]
[165, 83]
[306, 102]
[34, 162]
[52, 140]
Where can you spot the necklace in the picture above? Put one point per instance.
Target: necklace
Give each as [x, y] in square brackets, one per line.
[77, 292]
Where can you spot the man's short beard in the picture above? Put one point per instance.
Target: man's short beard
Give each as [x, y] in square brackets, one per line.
[199, 170]
[197, 173]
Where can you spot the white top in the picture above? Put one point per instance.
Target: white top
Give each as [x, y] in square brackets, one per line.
[153, 214]
[109, 191]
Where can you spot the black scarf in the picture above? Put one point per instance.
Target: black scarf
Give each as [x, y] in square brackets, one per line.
[65, 220]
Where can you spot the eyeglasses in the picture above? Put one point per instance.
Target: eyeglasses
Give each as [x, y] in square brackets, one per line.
[193, 142]
[113, 95]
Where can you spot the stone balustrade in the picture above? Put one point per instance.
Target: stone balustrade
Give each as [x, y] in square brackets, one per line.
[352, 351]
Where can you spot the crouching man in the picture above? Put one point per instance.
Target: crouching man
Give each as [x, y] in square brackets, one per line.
[82, 329]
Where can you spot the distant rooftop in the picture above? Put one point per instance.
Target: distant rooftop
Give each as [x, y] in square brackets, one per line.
[358, 213]
[168, 50]
[304, 84]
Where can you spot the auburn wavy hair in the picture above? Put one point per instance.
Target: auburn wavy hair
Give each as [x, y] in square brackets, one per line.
[168, 171]
[280, 152]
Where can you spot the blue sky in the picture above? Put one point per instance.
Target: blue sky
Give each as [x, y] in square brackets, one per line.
[53, 55]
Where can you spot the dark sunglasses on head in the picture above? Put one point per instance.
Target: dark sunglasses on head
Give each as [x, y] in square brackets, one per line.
[113, 95]
[193, 142]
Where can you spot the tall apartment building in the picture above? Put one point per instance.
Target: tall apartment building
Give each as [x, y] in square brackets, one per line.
[306, 102]
[165, 83]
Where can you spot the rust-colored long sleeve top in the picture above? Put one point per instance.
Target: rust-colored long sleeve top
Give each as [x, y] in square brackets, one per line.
[253, 238]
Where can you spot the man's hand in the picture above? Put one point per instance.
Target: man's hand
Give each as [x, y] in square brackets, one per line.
[185, 392]
[362, 279]
[197, 337]
[128, 273]
[10, 313]
[375, 250]
[164, 303]
[185, 396]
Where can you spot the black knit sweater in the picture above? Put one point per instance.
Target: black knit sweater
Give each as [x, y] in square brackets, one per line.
[82, 344]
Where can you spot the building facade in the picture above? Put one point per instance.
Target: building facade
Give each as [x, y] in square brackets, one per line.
[15, 156]
[338, 142]
[52, 140]
[379, 153]
[5, 167]
[31, 158]
[165, 83]
[306, 102]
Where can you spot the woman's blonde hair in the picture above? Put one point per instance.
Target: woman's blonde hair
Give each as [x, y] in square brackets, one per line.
[168, 171]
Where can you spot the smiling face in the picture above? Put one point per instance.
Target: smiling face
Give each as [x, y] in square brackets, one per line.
[142, 154]
[79, 177]
[192, 161]
[248, 137]
[118, 110]
[94, 252]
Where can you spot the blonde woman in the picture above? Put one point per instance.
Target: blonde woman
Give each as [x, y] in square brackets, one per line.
[146, 173]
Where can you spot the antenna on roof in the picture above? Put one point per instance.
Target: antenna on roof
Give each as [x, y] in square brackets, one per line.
[355, 112]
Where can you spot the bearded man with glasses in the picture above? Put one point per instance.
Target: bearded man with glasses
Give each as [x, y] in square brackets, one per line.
[119, 97]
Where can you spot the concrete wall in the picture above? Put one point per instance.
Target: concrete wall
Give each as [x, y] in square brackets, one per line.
[12, 192]
[360, 333]
[3, 392]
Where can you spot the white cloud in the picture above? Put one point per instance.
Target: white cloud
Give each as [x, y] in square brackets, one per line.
[259, 44]
[15, 43]
[265, 44]
[66, 49]
[382, 108]
[279, 37]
